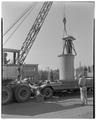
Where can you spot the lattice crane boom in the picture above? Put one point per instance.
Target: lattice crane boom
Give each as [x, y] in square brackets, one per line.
[31, 36]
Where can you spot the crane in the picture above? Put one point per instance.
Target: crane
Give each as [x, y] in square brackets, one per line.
[31, 36]
[23, 52]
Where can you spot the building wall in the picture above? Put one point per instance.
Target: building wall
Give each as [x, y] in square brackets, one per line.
[30, 70]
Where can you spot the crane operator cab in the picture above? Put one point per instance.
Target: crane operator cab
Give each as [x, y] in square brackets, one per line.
[5, 59]
[10, 67]
[10, 56]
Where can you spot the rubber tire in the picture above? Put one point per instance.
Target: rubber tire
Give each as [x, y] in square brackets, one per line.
[18, 93]
[9, 93]
[48, 91]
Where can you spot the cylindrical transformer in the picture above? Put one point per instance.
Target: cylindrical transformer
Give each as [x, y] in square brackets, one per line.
[66, 69]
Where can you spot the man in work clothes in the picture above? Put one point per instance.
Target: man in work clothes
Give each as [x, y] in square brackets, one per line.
[83, 89]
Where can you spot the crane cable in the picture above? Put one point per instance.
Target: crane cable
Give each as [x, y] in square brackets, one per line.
[17, 20]
[30, 10]
[64, 20]
[64, 10]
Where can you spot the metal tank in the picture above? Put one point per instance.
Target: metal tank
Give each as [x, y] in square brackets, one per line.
[66, 67]
[66, 59]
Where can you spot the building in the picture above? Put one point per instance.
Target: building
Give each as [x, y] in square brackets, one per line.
[30, 71]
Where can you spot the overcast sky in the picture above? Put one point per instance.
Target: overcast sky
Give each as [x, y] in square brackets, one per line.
[48, 44]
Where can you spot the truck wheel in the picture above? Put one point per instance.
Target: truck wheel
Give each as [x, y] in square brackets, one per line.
[47, 92]
[7, 95]
[22, 93]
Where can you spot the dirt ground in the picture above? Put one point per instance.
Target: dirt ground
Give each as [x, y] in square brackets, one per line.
[62, 105]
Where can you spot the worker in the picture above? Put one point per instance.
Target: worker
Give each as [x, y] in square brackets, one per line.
[5, 59]
[83, 88]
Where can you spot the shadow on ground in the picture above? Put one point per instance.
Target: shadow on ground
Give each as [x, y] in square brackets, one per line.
[31, 107]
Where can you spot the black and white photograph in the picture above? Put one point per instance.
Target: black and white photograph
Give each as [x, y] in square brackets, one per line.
[48, 59]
